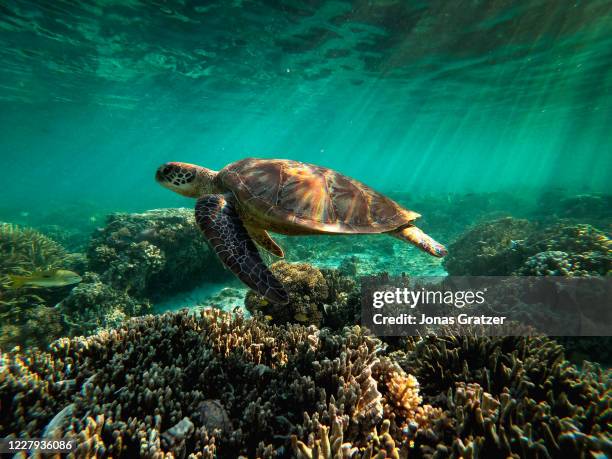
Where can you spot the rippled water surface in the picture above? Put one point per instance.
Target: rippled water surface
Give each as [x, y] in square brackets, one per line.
[404, 95]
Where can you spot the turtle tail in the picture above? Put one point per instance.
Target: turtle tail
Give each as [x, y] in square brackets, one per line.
[423, 241]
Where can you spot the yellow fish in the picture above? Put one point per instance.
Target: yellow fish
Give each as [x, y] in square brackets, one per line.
[51, 278]
[301, 317]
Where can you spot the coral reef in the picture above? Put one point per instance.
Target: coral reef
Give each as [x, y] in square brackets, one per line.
[73, 239]
[153, 253]
[147, 387]
[307, 291]
[214, 385]
[25, 250]
[593, 208]
[537, 404]
[94, 305]
[556, 263]
[489, 248]
[564, 249]
[34, 325]
[316, 297]
[509, 246]
[593, 348]
[23, 316]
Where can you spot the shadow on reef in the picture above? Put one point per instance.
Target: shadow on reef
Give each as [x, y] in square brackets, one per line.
[217, 385]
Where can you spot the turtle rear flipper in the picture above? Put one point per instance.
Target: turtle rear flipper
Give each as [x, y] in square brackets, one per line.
[423, 241]
[217, 218]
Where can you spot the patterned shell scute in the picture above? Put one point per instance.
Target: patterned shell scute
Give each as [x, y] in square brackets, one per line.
[314, 196]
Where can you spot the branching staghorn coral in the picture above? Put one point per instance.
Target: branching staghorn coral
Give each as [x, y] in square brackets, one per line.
[217, 385]
[130, 388]
[23, 251]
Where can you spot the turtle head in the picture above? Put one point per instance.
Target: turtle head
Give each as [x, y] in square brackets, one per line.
[187, 179]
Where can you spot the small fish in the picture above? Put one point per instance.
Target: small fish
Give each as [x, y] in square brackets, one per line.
[268, 318]
[301, 317]
[515, 244]
[51, 278]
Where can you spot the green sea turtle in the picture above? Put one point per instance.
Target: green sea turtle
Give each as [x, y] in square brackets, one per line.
[239, 204]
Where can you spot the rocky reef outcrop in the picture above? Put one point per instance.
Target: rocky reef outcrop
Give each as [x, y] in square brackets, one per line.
[518, 247]
[592, 208]
[133, 260]
[217, 385]
[153, 253]
[489, 248]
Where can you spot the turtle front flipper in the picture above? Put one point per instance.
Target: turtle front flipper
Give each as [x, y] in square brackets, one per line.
[423, 241]
[264, 240]
[217, 218]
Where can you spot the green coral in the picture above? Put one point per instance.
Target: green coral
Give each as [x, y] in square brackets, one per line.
[23, 251]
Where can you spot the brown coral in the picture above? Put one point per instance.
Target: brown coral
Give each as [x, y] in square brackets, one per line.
[404, 392]
[321, 297]
[307, 291]
[153, 253]
[131, 388]
[141, 389]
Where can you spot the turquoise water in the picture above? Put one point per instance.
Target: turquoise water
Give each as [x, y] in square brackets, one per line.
[414, 96]
[490, 118]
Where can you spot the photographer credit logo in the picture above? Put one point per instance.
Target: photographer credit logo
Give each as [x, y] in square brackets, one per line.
[402, 306]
